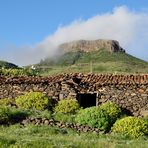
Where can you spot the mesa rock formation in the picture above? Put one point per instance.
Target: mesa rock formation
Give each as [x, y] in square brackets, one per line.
[91, 45]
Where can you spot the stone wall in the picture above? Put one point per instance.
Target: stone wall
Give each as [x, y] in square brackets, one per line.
[133, 98]
[129, 91]
[50, 122]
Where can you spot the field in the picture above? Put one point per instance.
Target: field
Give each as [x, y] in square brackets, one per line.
[32, 136]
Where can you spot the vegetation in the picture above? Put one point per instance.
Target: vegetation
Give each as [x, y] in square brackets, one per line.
[5, 64]
[33, 100]
[11, 115]
[40, 114]
[122, 133]
[102, 62]
[94, 117]
[66, 110]
[67, 118]
[131, 126]
[112, 109]
[7, 102]
[10, 69]
[67, 106]
[66, 59]
[17, 72]
[33, 136]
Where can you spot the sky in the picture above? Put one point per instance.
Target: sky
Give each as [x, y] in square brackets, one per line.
[31, 30]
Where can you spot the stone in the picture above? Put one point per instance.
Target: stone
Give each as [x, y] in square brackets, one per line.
[144, 113]
[144, 95]
[25, 122]
[141, 90]
[133, 94]
[46, 122]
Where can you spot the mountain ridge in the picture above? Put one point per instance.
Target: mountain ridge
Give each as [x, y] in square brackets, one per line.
[5, 64]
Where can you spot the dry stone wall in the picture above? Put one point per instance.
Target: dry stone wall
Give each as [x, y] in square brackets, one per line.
[133, 98]
[129, 91]
[50, 122]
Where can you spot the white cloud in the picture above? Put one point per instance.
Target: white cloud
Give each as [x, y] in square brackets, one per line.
[128, 27]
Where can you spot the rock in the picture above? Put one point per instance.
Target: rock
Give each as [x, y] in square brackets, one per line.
[94, 45]
[25, 122]
[141, 90]
[144, 95]
[46, 122]
[144, 113]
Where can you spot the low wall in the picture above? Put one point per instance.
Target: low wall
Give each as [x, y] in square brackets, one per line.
[129, 92]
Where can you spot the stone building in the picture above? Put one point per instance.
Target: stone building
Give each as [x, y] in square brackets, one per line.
[128, 91]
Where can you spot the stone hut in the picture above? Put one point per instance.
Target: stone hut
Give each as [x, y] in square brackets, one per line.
[129, 91]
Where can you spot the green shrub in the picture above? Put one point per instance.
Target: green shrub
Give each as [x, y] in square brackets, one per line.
[94, 117]
[17, 72]
[67, 106]
[17, 114]
[33, 100]
[112, 109]
[131, 126]
[7, 102]
[11, 115]
[4, 114]
[70, 118]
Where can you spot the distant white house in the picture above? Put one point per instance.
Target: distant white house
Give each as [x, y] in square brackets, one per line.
[33, 67]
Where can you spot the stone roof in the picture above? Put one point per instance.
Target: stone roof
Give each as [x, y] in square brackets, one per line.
[79, 78]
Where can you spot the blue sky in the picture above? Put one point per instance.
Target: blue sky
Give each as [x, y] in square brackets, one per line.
[24, 24]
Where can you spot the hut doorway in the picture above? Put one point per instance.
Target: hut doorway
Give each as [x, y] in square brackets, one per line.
[87, 100]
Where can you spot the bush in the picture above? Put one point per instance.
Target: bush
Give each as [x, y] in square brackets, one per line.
[17, 114]
[69, 106]
[112, 109]
[17, 72]
[11, 115]
[131, 126]
[7, 102]
[33, 100]
[4, 114]
[94, 117]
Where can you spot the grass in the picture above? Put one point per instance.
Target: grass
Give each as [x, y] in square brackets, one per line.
[50, 137]
[109, 67]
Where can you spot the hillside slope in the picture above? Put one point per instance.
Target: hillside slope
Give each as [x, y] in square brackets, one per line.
[5, 64]
[101, 61]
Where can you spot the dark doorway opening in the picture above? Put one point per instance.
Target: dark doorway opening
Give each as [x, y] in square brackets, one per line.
[86, 100]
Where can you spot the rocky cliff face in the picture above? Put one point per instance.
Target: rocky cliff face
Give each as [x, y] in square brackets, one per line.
[94, 45]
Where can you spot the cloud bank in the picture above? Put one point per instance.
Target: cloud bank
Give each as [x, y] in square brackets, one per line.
[128, 27]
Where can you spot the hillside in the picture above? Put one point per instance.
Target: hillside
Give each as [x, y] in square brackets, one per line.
[103, 57]
[5, 64]
[102, 61]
